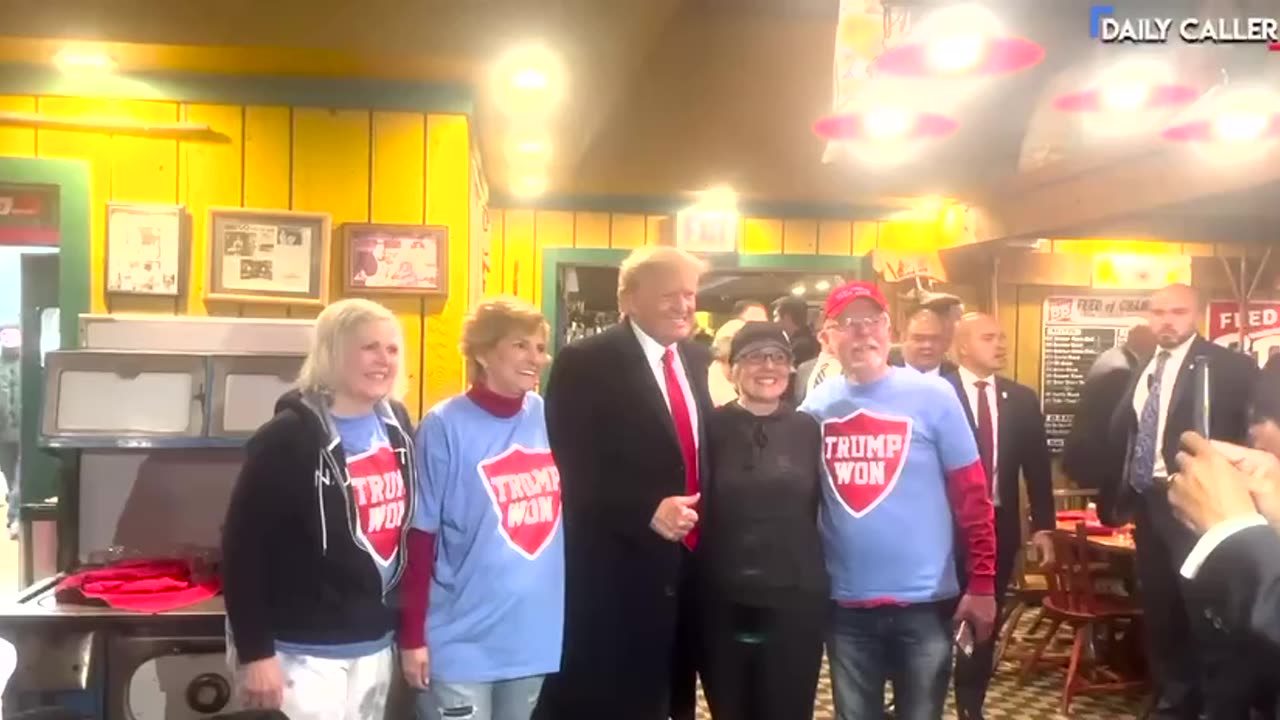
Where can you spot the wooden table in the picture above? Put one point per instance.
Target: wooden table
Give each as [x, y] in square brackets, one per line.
[1120, 541]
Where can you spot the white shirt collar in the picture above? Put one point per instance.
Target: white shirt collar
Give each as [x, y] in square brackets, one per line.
[1177, 354]
[653, 350]
[968, 378]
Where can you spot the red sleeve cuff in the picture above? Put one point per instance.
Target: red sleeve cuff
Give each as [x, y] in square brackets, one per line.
[975, 517]
[415, 589]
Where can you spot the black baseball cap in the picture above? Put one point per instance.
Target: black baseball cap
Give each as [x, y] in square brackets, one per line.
[756, 335]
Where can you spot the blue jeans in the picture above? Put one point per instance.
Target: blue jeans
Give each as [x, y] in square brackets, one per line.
[909, 646]
[502, 700]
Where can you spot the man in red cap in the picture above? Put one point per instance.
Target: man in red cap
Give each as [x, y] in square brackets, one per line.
[902, 474]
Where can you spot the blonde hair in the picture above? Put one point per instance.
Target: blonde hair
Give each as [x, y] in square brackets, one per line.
[723, 340]
[644, 261]
[493, 320]
[336, 327]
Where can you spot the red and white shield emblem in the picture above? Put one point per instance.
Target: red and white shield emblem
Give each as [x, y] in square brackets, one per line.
[864, 454]
[380, 496]
[524, 485]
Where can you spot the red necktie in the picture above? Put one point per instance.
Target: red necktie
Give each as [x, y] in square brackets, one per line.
[684, 431]
[986, 433]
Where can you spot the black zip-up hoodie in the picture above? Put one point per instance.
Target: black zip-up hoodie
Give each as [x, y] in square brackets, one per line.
[292, 567]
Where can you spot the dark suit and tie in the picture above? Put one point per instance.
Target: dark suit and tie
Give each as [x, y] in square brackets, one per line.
[625, 420]
[1192, 663]
[1009, 428]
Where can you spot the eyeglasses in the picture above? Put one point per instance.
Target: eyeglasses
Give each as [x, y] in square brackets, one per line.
[765, 357]
[863, 322]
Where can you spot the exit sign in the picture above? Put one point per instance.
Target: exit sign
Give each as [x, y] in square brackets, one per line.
[703, 231]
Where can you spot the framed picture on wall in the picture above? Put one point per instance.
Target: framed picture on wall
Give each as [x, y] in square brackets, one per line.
[268, 256]
[144, 254]
[399, 259]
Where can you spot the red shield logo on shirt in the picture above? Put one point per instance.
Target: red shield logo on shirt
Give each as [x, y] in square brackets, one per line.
[524, 485]
[379, 491]
[864, 454]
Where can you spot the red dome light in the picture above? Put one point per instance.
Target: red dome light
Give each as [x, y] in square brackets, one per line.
[884, 124]
[960, 57]
[1126, 98]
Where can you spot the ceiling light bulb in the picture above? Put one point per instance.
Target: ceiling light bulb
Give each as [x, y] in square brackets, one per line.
[887, 123]
[797, 290]
[1240, 126]
[955, 53]
[529, 79]
[1125, 96]
[82, 60]
[822, 286]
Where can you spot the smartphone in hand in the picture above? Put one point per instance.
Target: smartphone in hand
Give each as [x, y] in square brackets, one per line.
[964, 638]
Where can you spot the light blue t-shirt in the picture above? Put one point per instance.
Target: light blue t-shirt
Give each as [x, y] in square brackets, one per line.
[489, 490]
[368, 452]
[887, 525]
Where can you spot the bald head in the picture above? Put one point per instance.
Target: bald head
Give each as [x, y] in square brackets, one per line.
[979, 344]
[1174, 314]
[925, 341]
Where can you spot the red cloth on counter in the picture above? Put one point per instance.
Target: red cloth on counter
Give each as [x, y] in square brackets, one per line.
[149, 586]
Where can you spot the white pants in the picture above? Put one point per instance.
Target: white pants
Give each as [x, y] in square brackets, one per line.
[324, 689]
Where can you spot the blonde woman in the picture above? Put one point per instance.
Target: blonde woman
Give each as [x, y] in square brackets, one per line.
[718, 383]
[312, 543]
[484, 592]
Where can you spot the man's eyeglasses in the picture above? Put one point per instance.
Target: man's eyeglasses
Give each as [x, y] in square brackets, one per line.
[862, 322]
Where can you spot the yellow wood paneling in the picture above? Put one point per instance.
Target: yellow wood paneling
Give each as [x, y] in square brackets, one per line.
[448, 203]
[628, 231]
[799, 237]
[268, 142]
[145, 171]
[866, 236]
[761, 236]
[397, 195]
[209, 175]
[95, 148]
[519, 253]
[591, 230]
[17, 142]
[495, 281]
[835, 237]
[551, 229]
[654, 226]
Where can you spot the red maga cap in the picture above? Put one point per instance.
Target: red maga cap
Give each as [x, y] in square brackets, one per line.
[840, 298]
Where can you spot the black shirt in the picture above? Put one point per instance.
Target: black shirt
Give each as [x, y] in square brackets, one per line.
[760, 543]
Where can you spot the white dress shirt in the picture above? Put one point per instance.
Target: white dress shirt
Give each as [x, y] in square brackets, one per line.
[653, 352]
[970, 383]
[1177, 357]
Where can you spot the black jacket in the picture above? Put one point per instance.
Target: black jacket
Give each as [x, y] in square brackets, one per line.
[292, 567]
[760, 543]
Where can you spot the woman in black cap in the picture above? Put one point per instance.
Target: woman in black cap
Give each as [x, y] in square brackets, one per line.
[764, 585]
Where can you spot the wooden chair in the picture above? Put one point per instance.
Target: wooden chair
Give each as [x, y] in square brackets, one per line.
[1073, 601]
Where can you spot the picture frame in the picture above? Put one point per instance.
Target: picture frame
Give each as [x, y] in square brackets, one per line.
[268, 256]
[395, 259]
[146, 250]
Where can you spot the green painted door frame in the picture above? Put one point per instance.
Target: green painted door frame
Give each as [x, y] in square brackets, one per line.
[857, 267]
[71, 178]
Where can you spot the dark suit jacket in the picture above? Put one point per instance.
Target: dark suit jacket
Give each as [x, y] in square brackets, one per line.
[1022, 452]
[897, 360]
[618, 456]
[1089, 456]
[1240, 584]
[1232, 378]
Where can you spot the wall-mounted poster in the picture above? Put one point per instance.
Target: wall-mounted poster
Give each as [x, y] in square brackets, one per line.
[1075, 330]
[144, 250]
[268, 256]
[403, 259]
[1261, 339]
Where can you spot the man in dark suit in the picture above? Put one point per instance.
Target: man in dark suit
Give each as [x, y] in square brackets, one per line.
[1009, 428]
[1194, 671]
[925, 343]
[625, 413]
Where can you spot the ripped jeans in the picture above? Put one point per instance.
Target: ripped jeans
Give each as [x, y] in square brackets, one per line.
[502, 700]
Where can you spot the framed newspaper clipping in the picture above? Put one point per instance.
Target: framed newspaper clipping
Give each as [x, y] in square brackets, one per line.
[268, 256]
[397, 259]
[145, 246]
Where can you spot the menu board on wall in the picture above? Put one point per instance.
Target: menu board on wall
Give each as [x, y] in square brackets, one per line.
[1075, 331]
[1261, 339]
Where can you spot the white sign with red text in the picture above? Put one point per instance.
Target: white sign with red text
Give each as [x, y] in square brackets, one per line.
[864, 454]
[379, 491]
[1262, 327]
[524, 485]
